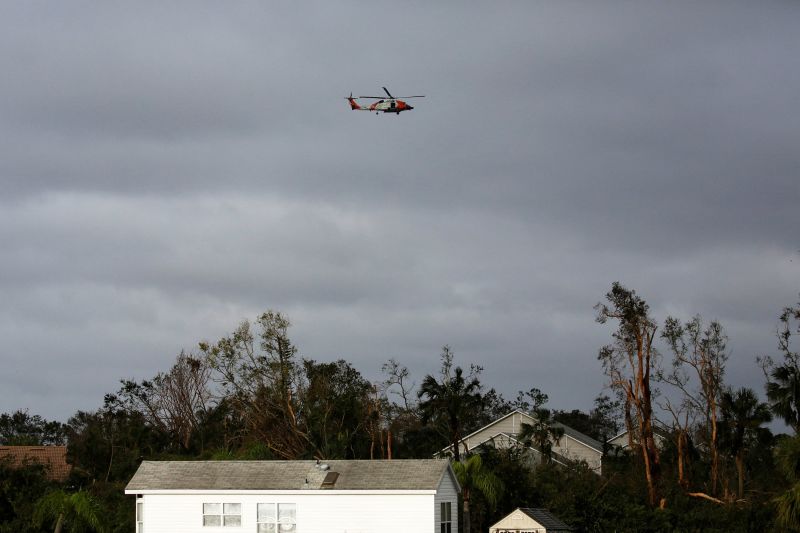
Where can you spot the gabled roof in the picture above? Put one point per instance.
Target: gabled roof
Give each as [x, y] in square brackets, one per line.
[580, 437]
[53, 458]
[659, 431]
[493, 422]
[408, 474]
[546, 519]
[586, 440]
[530, 518]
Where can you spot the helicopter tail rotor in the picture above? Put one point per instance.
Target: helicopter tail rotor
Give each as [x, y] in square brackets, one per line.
[353, 104]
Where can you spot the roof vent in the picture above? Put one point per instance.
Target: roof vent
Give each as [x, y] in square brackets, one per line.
[330, 480]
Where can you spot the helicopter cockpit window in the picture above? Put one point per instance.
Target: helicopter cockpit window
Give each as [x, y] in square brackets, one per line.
[392, 105]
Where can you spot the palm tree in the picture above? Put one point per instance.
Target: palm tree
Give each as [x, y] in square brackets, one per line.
[742, 418]
[453, 401]
[78, 511]
[783, 381]
[783, 392]
[542, 433]
[472, 475]
[787, 455]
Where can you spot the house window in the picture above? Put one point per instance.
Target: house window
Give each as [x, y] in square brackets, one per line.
[222, 514]
[277, 517]
[445, 517]
[139, 516]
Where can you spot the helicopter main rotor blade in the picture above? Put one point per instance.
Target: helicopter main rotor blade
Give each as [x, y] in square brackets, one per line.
[375, 97]
[415, 96]
[387, 92]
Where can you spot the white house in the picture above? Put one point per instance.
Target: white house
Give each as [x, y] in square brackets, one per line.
[395, 496]
[530, 520]
[502, 433]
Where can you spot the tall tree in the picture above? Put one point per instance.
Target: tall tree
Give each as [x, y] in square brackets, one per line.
[698, 368]
[337, 403]
[474, 477]
[175, 402]
[787, 455]
[742, 417]
[262, 381]
[451, 400]
[402, 419]
[783, 380]
[629, 362]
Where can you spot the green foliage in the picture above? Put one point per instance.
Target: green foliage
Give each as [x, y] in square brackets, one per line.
[19, 490]
[787, 455]
[783, 380]
[21, 429]
[740, 430]
[108, 445]
[474, 478]
[75, 512]
[337, 402]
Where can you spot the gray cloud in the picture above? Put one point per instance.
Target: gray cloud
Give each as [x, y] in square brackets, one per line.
[167, 171]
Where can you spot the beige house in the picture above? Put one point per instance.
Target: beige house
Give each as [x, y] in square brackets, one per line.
[622, 440]
[530, 520]
[573, 446]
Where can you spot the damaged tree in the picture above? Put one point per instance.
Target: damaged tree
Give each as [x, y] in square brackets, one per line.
[628, 362]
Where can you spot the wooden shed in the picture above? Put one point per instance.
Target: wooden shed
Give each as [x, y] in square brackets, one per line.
[530, 520]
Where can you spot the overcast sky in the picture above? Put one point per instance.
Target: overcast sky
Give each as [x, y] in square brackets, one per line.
[168, 169]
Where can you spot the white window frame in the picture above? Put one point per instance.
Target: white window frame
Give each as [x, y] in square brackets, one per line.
[277, 521]
[445, 517]
[223, 514]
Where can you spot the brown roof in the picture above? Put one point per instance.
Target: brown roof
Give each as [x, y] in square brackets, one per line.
[408, 474]
[53, 458]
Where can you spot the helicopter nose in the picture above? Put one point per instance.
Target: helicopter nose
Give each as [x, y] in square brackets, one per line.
[409, 107]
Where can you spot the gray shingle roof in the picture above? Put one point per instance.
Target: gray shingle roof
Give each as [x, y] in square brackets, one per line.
[580, 437]
[409, 474]
[546, 518]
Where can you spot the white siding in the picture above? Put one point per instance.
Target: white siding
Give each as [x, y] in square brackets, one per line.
[518, 520]
[446, 493]
[511, 424]
[319, 512]
[577, 451]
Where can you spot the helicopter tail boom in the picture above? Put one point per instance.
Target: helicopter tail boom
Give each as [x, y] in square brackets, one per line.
[353, 104]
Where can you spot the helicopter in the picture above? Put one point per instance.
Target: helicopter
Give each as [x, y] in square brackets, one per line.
[386, 105]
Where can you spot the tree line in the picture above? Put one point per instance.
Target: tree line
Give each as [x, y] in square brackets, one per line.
[699, 456]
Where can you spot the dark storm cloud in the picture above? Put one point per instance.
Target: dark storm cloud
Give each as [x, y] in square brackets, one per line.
[169, 170]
